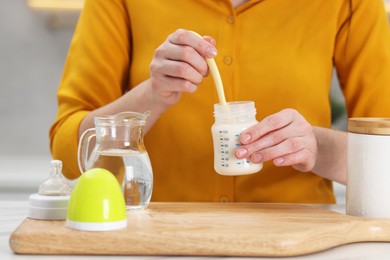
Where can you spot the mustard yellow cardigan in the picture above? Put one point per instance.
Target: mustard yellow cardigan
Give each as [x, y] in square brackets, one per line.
[278, 53]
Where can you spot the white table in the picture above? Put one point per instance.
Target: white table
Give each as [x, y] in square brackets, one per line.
[13, 212]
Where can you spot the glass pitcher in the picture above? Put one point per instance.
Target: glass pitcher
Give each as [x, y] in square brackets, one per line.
[119, 148]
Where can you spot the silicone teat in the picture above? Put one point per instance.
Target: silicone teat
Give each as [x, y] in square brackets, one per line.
[55, 185]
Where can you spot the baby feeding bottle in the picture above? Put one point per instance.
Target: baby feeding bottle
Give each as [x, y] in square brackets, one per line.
[51, 201]
[230, 121]
[119, 148]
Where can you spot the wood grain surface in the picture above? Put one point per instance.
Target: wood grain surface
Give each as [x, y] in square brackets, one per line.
[211, 229]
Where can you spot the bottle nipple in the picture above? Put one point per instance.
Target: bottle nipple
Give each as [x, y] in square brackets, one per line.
[55, 185]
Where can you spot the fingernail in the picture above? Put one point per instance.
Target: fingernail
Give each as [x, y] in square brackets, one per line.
[211, 52]
[242, 152]
[279, 161]
[245, 138]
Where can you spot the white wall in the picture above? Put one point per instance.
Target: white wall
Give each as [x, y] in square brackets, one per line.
[31, 61]
[32, 56]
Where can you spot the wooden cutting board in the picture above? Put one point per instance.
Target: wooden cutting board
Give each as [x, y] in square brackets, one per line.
[212, 229]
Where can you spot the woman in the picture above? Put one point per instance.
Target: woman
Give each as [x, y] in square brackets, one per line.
[133, 56]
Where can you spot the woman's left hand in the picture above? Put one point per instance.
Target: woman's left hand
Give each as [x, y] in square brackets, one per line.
[285, 138]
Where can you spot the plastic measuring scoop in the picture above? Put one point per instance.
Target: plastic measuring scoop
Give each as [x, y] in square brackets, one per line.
[216, 77]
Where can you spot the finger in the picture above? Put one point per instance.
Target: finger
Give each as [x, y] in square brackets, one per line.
[188, 55]
[210, 40]
[302, 160]
[269, 124]
[269, 140]
[214, 43]
[168, 84]
[184, 37]
[177, 69]
[289, 146]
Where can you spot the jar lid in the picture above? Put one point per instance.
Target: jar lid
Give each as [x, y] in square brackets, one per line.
[369, 125]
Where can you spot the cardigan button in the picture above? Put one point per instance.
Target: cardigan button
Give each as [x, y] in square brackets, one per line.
[224, 199]
[227, 60]
[230, 19]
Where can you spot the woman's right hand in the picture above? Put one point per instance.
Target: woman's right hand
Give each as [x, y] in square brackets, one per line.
[179, 65]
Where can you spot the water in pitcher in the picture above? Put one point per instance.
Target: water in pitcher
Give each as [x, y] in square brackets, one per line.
[133, 172]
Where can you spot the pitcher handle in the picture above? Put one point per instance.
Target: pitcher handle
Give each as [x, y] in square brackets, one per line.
[82, 151]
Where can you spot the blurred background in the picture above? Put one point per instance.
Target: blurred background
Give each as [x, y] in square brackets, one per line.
[34, 40]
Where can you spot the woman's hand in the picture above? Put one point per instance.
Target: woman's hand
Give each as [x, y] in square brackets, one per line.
[285, 138]
[179, 66]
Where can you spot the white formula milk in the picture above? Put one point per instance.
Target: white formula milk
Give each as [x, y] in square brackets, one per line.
[368, 168]
[230, 122]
